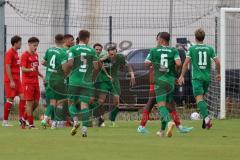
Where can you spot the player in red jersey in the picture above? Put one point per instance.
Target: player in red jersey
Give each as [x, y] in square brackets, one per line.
[12, 82]
[30, 73]
[151, 103]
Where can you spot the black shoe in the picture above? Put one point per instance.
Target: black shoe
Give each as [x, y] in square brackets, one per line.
[22, 123]
[100, 121]
[203, 124]
[84, 135]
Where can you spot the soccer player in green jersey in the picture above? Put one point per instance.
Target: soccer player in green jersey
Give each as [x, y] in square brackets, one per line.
[53, 58]
[82, 62]
[108, 79]
[201, 55]
[165, 60]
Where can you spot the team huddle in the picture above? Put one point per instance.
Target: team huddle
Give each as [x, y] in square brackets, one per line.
[81, 77]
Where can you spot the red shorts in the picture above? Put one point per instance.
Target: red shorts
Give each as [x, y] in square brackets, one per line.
[13, 92]
[31, 92]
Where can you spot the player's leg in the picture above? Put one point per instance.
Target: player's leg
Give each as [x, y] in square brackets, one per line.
[73, 111]
[162, 97]
[115, 90]
[10, 94]
[85, 117]
[145, 114]
[113, 114]
[199, 89]
[22, 103]
[176, 118]
[101, 100]
[49, 110]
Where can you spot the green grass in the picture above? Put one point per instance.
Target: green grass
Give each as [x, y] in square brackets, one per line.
[123, 143]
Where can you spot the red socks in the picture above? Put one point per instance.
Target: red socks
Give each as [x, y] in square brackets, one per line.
[175, 117]
[7, 107]
[145, 117]
[21, 108]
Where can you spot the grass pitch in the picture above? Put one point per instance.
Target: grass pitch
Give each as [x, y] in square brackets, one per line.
[222, 142]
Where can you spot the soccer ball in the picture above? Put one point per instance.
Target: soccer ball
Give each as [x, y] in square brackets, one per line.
[195, 116]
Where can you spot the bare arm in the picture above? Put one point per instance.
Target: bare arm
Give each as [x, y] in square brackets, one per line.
[9, 72]
[184, 70]
[44, 63]
[217, 62]
[178, 65]
[130, 70]
[24, 69]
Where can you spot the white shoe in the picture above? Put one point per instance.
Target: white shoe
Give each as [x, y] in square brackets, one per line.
[103, 125]
[84, 131]
[54, 125]
[160, 133]
[170, 129]
[6, 124]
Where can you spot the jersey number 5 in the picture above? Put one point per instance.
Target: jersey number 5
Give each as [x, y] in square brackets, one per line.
[83, 66]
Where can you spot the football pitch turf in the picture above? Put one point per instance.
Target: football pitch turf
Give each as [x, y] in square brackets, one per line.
[222, 142]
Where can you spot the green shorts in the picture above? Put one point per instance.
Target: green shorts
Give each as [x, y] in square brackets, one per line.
[84, 95]
[51, 94]
[108, 86]
[164, 90]
[200, 87]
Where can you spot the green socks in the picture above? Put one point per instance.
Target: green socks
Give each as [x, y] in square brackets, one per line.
[73, 110]
[203, 108]
[85, 117]
[164, 113]
[49, 111]
[113, 114]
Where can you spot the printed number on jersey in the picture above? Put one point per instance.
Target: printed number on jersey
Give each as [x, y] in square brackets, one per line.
[202, 61]
[83, 66]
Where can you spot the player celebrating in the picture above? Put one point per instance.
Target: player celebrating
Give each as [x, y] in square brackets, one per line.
[68, 41]
[165, 60]
[108, 81]
[151, 103]
[53, 58]
[82, 60]
[200, 55]
[12, 83]
[30, 73]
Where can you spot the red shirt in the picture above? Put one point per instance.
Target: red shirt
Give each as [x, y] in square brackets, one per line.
[30, 61]
[13, 60]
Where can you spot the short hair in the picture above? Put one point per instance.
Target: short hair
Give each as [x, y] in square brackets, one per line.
[59, 38]
[111, 48]
[33, 40]
[200, 34]
[77, 40]
[164, 35]
[15, 39]
[97, 44]
[83, 35]
[66, 36]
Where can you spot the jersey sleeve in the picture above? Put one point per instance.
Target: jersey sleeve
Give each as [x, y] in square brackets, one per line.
[64, 57]
[121, 59]
[95, 57]
[189, 53]
[149, 56]
[24, 61]
[176, 55]
[45, 58]
[9, 58]
[71, 53]
[213, 54]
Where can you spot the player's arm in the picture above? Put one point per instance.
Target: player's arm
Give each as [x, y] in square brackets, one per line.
[130, 70]
[178, 63]
[185, 67]
[44, 61]
[217, 62]
[69, 65]
[24, 65]
[8, 61]
[184, 70]
[148, 60]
